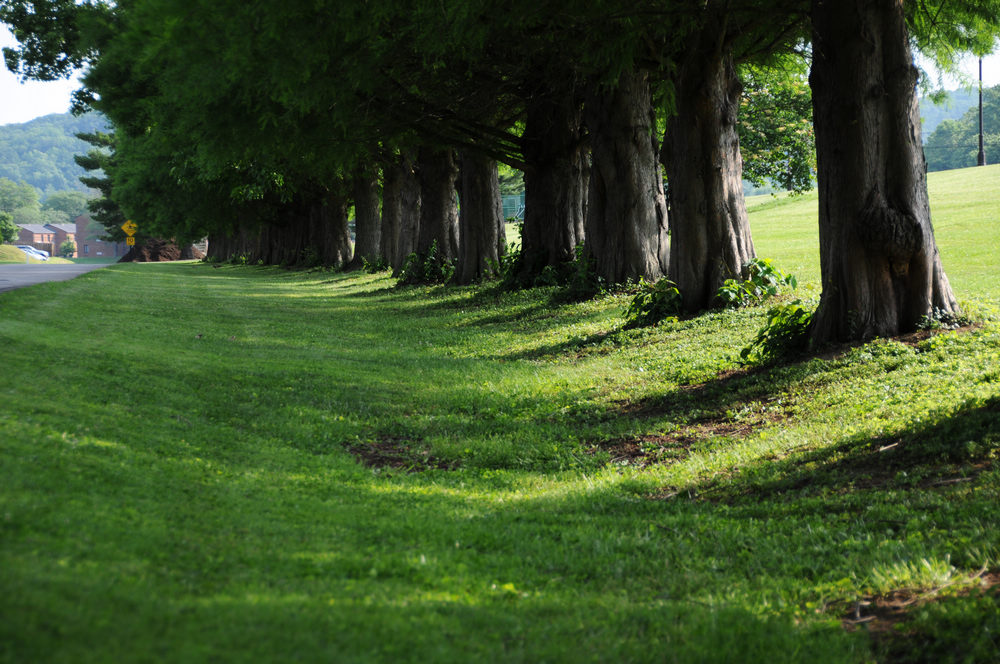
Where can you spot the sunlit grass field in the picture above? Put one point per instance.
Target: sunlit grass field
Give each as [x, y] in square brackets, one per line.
[217, 463]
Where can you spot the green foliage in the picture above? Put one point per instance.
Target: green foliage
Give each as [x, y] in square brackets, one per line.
[380, 264]
[655, 302]
[786, 332]
[98, 162]
[17, 196]
[67, 248]
[8, 229]
[506, 270]
[943, 320]
[949, 105]
[763, 281]
[577, 280]
[775, 128]
[430, 268]
[511, 180]
[955, 143]
[69, 204]
[41, 152]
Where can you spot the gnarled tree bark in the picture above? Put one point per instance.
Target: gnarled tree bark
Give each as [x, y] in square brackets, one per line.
[400, 210]
[310, 230]
[626, 213]
[480, 218]
[367, 220]
[438, 173]
[880, 265]
[555, 184]
[710, 233]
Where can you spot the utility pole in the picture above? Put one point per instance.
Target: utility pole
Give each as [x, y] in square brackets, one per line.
[981, 159]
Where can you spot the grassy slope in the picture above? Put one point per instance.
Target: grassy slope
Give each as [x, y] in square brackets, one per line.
[174, 483]
[11, 254]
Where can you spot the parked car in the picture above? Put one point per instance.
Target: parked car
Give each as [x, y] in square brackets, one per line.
[39, 254]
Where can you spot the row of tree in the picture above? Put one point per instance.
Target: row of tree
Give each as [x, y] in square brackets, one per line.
[261, 123]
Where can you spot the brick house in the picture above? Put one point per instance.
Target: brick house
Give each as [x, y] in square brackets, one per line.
[64, 232]
[89, 244]
[38, 236]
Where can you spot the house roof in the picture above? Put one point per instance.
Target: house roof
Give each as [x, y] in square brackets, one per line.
[65, 228]
[34, 228]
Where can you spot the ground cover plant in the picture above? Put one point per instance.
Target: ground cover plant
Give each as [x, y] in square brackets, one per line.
[233, 463]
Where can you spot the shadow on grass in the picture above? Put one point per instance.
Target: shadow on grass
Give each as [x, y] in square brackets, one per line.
[951, 449]
[163, 551]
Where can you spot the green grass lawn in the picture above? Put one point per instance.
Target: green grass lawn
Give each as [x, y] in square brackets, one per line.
[220, 463]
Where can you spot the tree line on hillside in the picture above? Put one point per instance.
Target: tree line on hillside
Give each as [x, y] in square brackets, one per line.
[262, 124]
[937, 107]
[40, 152]
[955, 143]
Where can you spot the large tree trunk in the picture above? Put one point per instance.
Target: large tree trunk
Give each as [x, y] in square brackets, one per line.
[710, 234]
[438, 172]
[311, 231]
[880, 265]
[555, 184]
[400, 211]
[367, 220]
[627, 213]
[480, 218]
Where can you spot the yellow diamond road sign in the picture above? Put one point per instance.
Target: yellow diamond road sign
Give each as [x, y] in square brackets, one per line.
[130, 228]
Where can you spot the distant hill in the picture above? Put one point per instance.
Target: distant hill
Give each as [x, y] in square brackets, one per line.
[958, 102]
[40, 152]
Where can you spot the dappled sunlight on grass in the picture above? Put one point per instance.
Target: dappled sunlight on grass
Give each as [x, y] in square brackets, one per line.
[216, 463]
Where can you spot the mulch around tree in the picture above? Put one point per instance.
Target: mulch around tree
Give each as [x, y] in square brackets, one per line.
[155, 251]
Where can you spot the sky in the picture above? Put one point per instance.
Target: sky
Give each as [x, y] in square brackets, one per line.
[20, 102]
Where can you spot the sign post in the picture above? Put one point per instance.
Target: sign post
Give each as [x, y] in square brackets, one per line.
[130, 228]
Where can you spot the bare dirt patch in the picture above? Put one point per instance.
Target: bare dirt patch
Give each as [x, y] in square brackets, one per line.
[398, 453]
[674, 446]
[884, 616]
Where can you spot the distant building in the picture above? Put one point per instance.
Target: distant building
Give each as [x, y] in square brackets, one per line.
[89, 244]
[38, 236]
[63, 232]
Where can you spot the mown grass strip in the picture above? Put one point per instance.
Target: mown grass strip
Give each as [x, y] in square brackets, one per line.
[178, 478]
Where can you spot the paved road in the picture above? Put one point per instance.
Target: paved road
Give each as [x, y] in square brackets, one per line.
[17, 275]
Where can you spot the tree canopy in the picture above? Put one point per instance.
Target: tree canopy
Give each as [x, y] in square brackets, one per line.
[259, 123]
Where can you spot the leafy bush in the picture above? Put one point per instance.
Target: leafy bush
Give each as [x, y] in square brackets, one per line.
[943, 320]
[506, 269]
[430, 268]
[654, 302]
[786, 332]
[581, 281]
[380, 264]
[67, 249]
[764, 280]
